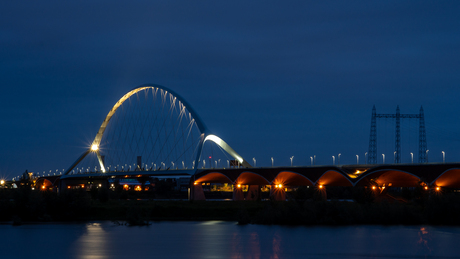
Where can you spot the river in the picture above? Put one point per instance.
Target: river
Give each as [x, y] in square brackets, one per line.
[217, 239]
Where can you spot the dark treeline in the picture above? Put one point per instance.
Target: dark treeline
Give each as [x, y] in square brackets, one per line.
[305, 207]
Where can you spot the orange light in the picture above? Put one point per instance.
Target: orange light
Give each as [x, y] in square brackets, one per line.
[125, 187]
[438, 188]
[373, 187]
[280, 186]
[321, 186]
[239, 185]
[195, 183]
[43, 187]
[68, 186]
[426, 188]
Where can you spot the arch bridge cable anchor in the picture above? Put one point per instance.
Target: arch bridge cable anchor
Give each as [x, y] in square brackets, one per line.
[205, 133]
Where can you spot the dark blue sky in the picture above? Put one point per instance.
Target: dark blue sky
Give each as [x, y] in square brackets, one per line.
[272, 79]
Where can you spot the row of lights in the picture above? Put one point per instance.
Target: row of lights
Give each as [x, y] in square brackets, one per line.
[313, 158]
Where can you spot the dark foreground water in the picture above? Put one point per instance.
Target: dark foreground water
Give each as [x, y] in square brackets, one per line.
[216, 239]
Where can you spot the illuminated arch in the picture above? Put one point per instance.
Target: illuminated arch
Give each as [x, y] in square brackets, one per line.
[43, 182]
[288, 178]
[397, 178]
[251, 178]
[221, 143]
[213, 177]
[205, 133]
[449, 178]
[333, 178]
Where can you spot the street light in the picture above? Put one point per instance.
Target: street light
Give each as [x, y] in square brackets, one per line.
[427, 155]
[311, 159]
[357, 159]
[412, 157]
[292, 158]
[272, 161]
[314, 159]
[338, 159]
[394, 157]
[254, 160]
[333, 160]
[365, 157]
[443, 156]
[383, 155]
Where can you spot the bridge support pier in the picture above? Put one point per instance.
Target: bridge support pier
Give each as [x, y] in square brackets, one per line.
[197, 193]
[322, 192]
[277, 193]
[238, 194]
[253, 193]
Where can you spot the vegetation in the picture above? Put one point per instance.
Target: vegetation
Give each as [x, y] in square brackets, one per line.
[305, 207]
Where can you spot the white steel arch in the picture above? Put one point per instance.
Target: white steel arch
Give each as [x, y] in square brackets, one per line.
[205, 133]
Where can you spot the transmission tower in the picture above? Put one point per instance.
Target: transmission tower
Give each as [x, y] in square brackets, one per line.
[372, 158]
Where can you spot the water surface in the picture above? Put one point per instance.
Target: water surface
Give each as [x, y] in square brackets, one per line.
[216, 239]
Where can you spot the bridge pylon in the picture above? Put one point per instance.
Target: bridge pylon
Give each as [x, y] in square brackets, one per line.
[372, 153]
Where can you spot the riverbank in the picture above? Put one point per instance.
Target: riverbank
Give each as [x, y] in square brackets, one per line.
[23, 206]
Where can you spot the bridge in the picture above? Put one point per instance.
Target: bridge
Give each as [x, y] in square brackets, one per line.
[153, 132]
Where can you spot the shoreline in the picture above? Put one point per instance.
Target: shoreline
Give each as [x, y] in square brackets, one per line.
[25, 206]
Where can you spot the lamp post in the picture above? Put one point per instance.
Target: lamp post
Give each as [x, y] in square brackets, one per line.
[254, 160]
[272, 161]
[383, 156]
[338, 159]
[365, 157]
[333, 160]
[427, 155]
[314, 159]
[412, 157]
[357, 159]
[292, 158]
[394, 157]
[443, 156]
[228, 163]
[311, 160]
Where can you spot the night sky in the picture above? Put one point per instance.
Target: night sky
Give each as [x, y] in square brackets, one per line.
[273, 79]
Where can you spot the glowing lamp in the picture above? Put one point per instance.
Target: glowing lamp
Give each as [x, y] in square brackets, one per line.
[426, 188]
[239, 185]
[438, 188]
[43, 187]
[321, 186]
[373, 187]
[94, 147]
[2, 182]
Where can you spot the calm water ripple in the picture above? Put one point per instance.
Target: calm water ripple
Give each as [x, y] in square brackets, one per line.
[216, 239]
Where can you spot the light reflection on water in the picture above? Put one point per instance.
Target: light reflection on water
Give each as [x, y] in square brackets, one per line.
[217, 239]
